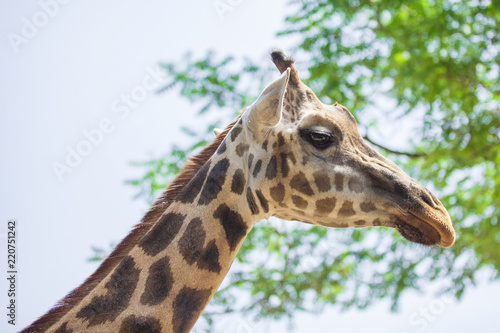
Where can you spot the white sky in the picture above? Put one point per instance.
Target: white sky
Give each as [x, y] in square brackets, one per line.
[65, 80]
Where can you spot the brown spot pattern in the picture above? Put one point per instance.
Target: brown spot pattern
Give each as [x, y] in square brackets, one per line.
[346, 210]
[300, 183]
[233, 224]
[215, 182]
[159, 282]
[192, 241]
[162, 233]
[192, 250]
[257, 168]
[278, 192]
[322, 181]
[263, 201]
[299, 202]
[272, 168]
[140, 324]
[339, 182]
[64, 328]
[284, 165]
[222, 148]
[360, 222]
[325, 206]
[120, 288]
[251, 202]
[355, 185]
[209, 259]
[189, 194]
[250, 161]
[367, 206]
[238, 183]
[241, 149]
[235, 132]
[264, 145]
[188, 305]
[281, 140]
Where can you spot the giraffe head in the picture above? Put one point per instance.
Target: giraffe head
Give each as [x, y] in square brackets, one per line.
[308, 162]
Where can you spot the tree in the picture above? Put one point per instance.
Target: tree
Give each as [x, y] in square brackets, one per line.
[437, 62]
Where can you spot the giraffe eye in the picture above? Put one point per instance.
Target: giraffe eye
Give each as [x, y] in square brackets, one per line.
[321, 140]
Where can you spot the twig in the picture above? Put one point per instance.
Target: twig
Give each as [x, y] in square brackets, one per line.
[412, 155]
[227, 311]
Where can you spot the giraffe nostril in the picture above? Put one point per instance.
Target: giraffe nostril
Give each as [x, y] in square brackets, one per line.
[423, 194]
[427, 198]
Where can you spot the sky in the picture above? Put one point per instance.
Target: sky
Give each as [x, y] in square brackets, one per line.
[77, 81]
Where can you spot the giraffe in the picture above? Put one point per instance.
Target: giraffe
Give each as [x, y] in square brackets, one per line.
[288, 155]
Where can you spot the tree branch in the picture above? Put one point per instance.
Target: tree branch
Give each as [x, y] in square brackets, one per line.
[412, 155]
[226, 311]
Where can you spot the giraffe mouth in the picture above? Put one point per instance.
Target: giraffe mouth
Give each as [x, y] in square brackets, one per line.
[426, 229]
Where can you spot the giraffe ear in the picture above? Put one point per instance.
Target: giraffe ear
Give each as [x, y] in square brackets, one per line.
[266, 110]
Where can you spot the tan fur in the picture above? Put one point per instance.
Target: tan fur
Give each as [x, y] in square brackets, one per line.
[124, 247]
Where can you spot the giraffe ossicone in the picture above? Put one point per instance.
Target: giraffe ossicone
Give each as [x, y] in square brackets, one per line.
[288, 155]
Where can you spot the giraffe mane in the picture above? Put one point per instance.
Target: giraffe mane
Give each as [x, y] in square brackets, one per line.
[190, 169]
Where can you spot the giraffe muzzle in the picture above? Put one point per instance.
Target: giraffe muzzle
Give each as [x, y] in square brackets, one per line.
[435, 223]
[416, 213]
[425, 224]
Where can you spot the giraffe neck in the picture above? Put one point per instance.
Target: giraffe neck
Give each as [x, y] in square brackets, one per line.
[169, 276]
